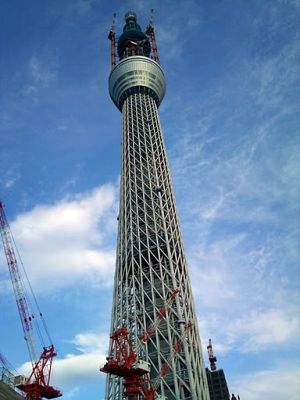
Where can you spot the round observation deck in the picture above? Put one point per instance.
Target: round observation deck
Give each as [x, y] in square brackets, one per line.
[136, 74]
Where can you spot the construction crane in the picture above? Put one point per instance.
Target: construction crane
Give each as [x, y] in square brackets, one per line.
[112, 38]
[123, 359]
[212, 359]
[37, 385]
[150, 32]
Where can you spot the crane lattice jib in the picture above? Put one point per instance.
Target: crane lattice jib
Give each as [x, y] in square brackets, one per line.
[167, 365]
[159, 316]
[17, 284]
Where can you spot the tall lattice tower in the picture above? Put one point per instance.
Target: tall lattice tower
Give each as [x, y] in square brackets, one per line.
[150, 255]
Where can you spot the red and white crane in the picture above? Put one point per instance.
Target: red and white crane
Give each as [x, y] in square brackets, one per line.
[112, 38]
[37, 385]
[150, 32]
[123, 359]
[211, 357]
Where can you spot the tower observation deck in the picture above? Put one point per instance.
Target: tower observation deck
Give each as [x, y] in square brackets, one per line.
[150, 261]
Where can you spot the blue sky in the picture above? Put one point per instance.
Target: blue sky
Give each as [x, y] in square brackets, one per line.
[231, 125]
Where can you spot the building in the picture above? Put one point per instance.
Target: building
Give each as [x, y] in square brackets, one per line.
[7, 386]
[150, 262]
[217, 385]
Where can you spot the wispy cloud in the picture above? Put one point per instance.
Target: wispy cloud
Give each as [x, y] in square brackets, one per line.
[9, 176]
[237, 172]
[173, 41]
[260, 329]
[273, 384]
[40, 73]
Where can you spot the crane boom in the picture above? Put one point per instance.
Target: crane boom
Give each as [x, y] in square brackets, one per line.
[37, 385]
[112, 38]
[150, 32]
[159, 316]
[26, 318]
[167, 365]
[211, 356]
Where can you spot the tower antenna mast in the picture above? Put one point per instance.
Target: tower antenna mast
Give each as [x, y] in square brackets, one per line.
[150, 260]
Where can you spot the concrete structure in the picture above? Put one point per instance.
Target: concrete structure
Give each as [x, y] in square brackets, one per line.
[7, 388]
[150, 256]
[218, 389]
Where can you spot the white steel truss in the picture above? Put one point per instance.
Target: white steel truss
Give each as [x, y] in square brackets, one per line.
[150, 259]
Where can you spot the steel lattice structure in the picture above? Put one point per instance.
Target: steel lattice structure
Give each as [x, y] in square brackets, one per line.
[150, 256]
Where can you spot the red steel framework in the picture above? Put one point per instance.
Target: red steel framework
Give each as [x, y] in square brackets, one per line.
[123, 359]
[37, 385]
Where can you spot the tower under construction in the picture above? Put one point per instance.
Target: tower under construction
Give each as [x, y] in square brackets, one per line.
[151, 266]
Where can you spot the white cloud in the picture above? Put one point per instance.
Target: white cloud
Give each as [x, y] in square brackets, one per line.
[78, 367]
[69, 242]
[277, 384]
[260, 329]
[88, 341]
